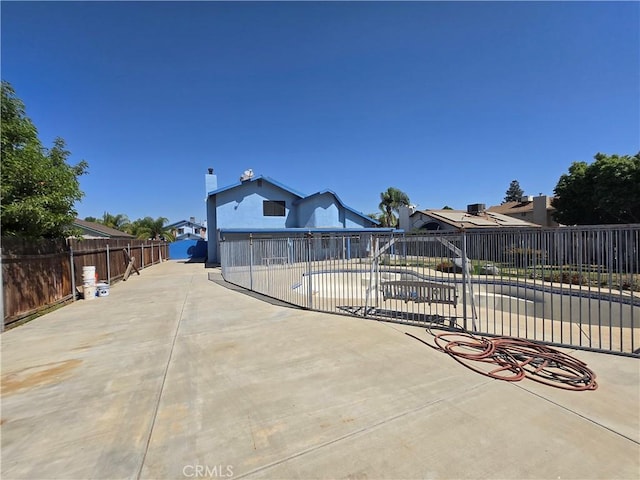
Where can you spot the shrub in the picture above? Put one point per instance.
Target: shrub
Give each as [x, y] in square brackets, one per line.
[448, 267]
[521, 257]
[567, 277]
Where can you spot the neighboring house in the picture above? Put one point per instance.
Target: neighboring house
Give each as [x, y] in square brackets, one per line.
[474, 218]
[536, 210]
[262, 203]
[188, 230]
[91, 230]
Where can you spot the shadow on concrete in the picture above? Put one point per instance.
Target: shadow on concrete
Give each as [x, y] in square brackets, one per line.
[216, 277]
[194, 260]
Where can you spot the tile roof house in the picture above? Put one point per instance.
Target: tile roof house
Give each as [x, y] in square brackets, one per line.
[262, 203]
[536, 210]
[474, 218]
[91, 230]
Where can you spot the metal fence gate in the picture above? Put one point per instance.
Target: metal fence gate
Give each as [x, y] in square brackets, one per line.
[574, 287]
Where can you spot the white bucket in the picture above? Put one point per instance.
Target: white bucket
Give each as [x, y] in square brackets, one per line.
[89, 292]
[89, 275]
[103, 289]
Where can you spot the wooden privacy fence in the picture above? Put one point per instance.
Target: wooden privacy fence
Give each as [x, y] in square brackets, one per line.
[37, 274]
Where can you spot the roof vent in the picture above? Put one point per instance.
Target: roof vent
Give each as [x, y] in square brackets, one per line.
[476, 208]
[246, 175]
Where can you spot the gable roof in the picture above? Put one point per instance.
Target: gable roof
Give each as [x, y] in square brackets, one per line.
[518, 207]
[342, 204]
[301, 196]
[98, 230]
[188, 236]
[183, 223]
[464, 220]
[255, 179]
[512, 207]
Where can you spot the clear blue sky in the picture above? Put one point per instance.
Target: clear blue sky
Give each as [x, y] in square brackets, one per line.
[447, 101]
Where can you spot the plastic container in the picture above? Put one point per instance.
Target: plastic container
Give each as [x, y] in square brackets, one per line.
[89, 292]
[103, 289]
[89, 275]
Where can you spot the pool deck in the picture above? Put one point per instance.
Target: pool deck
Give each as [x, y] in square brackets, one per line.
[175, 376]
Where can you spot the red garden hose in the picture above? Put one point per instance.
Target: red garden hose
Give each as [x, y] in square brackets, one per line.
[514, 359]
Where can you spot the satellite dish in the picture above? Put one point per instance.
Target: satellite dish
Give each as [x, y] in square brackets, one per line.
[246, 175]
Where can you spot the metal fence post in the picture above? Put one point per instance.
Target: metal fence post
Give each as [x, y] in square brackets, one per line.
[73, 275]
[309, 276]
[250, 262]
[108, 266]
[464, 280]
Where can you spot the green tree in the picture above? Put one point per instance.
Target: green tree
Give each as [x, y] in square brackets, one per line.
[390, 202]
[514, 193]
[119, 221]
[603, 192]
[38, 188]
[151, 229]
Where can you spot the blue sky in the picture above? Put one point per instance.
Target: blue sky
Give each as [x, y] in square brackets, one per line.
[447, 101]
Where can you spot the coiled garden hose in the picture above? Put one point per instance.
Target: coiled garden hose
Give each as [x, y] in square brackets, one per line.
[513, 359]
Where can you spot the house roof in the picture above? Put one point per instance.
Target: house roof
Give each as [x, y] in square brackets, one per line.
[464, 220]
[99, 230]
[517, 207]
[512, 207]
[283, 231]
[255, 179]
[188, 236]
[183, 223]
[301, 196]
[335, 195]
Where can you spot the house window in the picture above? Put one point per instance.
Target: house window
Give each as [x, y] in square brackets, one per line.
[273, 208]
[196, 230]
[180, 231]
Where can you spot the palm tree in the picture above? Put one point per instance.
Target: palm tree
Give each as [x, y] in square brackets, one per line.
[390, 201]
[151, 229]
[119, 221]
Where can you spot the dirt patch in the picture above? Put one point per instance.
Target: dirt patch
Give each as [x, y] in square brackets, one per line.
[37, 376]
[94, 342]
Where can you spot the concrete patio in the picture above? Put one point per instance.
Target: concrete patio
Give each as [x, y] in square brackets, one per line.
[175, 376]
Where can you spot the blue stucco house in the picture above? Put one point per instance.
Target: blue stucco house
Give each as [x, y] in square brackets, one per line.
[187, 230]
[260, 203]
